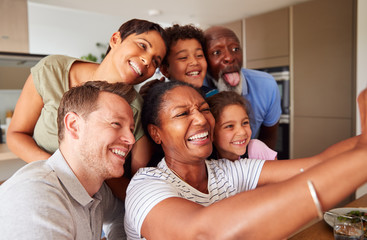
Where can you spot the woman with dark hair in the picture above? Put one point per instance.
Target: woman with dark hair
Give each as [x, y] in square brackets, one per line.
[135, 52]
[189, 197]
[139, 26]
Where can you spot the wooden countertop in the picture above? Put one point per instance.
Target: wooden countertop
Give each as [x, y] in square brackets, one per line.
[321, 230]
[5, 153]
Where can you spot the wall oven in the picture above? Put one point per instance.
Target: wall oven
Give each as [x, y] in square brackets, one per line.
[282, 77]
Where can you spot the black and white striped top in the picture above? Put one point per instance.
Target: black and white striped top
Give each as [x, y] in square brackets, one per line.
[151, 185]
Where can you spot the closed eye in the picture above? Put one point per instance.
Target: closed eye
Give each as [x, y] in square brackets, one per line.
[182, 114]
[205, 110]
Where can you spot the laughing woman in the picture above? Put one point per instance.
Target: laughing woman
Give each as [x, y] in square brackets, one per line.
[135, 51]
[189, 197]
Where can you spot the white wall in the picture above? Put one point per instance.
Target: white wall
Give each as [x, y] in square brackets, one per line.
[55, 30]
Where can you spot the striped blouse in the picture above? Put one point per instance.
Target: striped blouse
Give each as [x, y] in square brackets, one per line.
[151, 185]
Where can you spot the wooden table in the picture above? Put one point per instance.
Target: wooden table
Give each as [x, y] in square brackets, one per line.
[321, 230]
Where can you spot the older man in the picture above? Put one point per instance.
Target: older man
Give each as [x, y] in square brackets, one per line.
[225, 72]
[65, 197]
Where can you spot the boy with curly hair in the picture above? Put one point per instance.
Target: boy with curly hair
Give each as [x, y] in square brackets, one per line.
[185, 60]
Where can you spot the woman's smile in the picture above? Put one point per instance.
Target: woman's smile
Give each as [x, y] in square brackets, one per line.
[200, 138]
[187, 124]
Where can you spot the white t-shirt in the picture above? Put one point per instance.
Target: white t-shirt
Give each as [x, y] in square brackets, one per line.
[151, 185]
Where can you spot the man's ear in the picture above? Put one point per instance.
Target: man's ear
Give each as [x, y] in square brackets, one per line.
[164, 70]
[115, 39]
[71, 122]
[154, 133]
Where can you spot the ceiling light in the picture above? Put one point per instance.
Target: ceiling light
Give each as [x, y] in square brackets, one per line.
[154, 12]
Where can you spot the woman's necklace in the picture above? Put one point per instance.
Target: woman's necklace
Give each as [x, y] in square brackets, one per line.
[178, 175]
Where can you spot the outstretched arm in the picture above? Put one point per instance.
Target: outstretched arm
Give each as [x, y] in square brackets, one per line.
[245, 215]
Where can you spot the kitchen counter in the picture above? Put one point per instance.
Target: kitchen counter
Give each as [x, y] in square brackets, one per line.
[9, 162]
[5, 153]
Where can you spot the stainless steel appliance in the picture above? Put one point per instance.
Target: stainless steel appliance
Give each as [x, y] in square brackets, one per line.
[282, 77]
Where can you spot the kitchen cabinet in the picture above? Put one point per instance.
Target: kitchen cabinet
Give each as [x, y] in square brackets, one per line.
[321, 56]
[14, 26]
[15, 68]
[323, 35]
[267, 39]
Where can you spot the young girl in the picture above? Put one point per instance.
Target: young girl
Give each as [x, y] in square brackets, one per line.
[232, 132]
[135, 51]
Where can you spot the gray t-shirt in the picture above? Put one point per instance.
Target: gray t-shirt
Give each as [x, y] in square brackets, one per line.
[45, 200]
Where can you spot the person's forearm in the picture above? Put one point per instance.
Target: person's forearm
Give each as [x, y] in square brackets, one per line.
[291, 199]
[245, 214]
[25, 147]
[338, 148]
